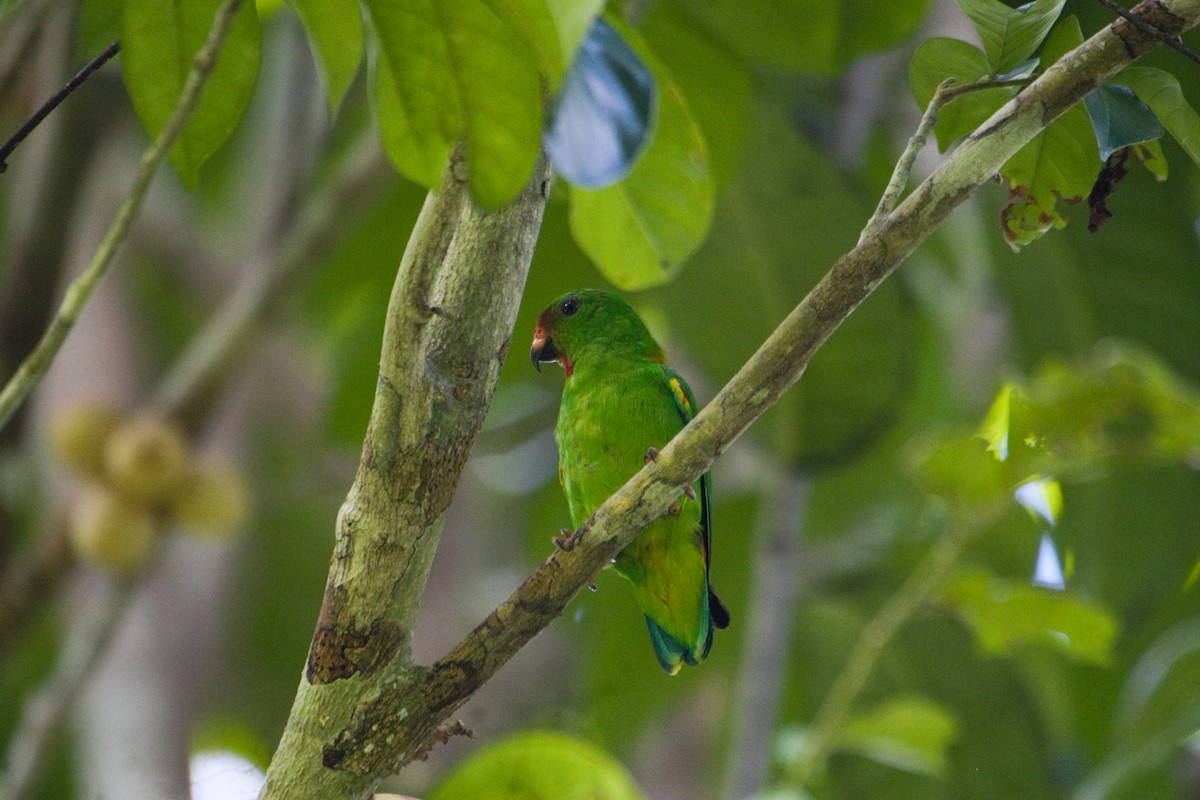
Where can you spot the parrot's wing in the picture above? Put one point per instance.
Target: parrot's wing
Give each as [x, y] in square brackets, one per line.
[686, 403]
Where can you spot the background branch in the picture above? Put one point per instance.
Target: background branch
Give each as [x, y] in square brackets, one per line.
[188, 393]
[386, 731]
[82, 288]
[62, 94]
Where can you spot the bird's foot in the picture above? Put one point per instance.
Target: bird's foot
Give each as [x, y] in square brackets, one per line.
[567, 539]
[674, 509]
[651, 455]
[690, 491]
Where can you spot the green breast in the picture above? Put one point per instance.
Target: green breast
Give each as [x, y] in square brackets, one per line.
[608, 420]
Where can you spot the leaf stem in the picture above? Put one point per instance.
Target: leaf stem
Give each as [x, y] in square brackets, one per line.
[34, 367]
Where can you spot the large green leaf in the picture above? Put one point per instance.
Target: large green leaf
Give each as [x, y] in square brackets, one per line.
[452, 65]
[1011, 35]
[158, 43]
[940, 58]
[1120, 119]
[539, 766]
[716, 83]
[1161, 91]
[334, 28]
[1059, 163]
[1008, 617]
[639, 231]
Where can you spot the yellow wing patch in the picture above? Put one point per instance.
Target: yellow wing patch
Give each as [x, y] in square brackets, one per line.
[681, 396]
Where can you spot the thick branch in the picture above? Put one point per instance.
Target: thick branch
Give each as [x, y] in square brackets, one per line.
[450, 316]
[390, 729]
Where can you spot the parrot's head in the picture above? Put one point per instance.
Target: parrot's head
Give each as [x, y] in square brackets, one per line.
[590, 321]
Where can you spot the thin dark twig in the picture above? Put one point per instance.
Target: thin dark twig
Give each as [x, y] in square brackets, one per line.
[1172, 41]
[53, 102]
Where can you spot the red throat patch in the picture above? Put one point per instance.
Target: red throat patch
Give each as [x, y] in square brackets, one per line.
[567, 366]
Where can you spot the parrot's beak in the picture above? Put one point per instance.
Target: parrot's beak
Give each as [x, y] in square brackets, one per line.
[543, 349]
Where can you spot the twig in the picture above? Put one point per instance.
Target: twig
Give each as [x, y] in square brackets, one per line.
[51, 104]
[920, 586]
[773, 596]
[88, 642]
[946, 91]
[82, 288]
[200, 371]
[1171, 41]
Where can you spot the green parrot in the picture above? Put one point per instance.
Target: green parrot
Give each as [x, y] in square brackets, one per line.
[619, 403]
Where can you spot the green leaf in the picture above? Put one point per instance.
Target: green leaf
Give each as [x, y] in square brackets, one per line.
[909, 733]
[334, 29]
[639, 232]
[937, 59]
[959, 468]
[1161, 91]
[1150, 155]
[715, 82]
[1007, 617]
[1011, 35]
[158, 43]
[817, 35]
[533, 20]
[1057, 164]
[572, 19]
[1123, 407]
[1120, 119]
[539, 766]
[452, 65]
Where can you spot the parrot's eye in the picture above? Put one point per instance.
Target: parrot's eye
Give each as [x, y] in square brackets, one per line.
[569, 306]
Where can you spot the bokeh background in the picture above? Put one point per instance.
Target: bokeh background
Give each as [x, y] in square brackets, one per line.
[819, 515]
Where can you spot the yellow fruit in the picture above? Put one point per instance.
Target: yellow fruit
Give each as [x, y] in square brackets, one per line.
[146, 459]
[78, 436]
[109, 531]
[214, 501]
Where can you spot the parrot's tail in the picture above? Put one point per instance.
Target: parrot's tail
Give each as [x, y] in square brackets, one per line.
[672, 653]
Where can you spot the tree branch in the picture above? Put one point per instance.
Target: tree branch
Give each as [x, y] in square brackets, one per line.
[1171, 40]
[51, 104]
[82, 288]
[386, 730]
[922, 584]
[44, 709]
[448, 325]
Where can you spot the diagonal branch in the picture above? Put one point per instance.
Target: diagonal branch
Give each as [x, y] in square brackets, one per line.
[53, 103]
[82, 288]
[386, 731]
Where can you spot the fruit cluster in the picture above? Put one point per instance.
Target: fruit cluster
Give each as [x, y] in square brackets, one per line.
[140, 475]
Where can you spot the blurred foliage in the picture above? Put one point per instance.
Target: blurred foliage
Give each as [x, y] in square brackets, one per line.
[539, 766]
[997, 688]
